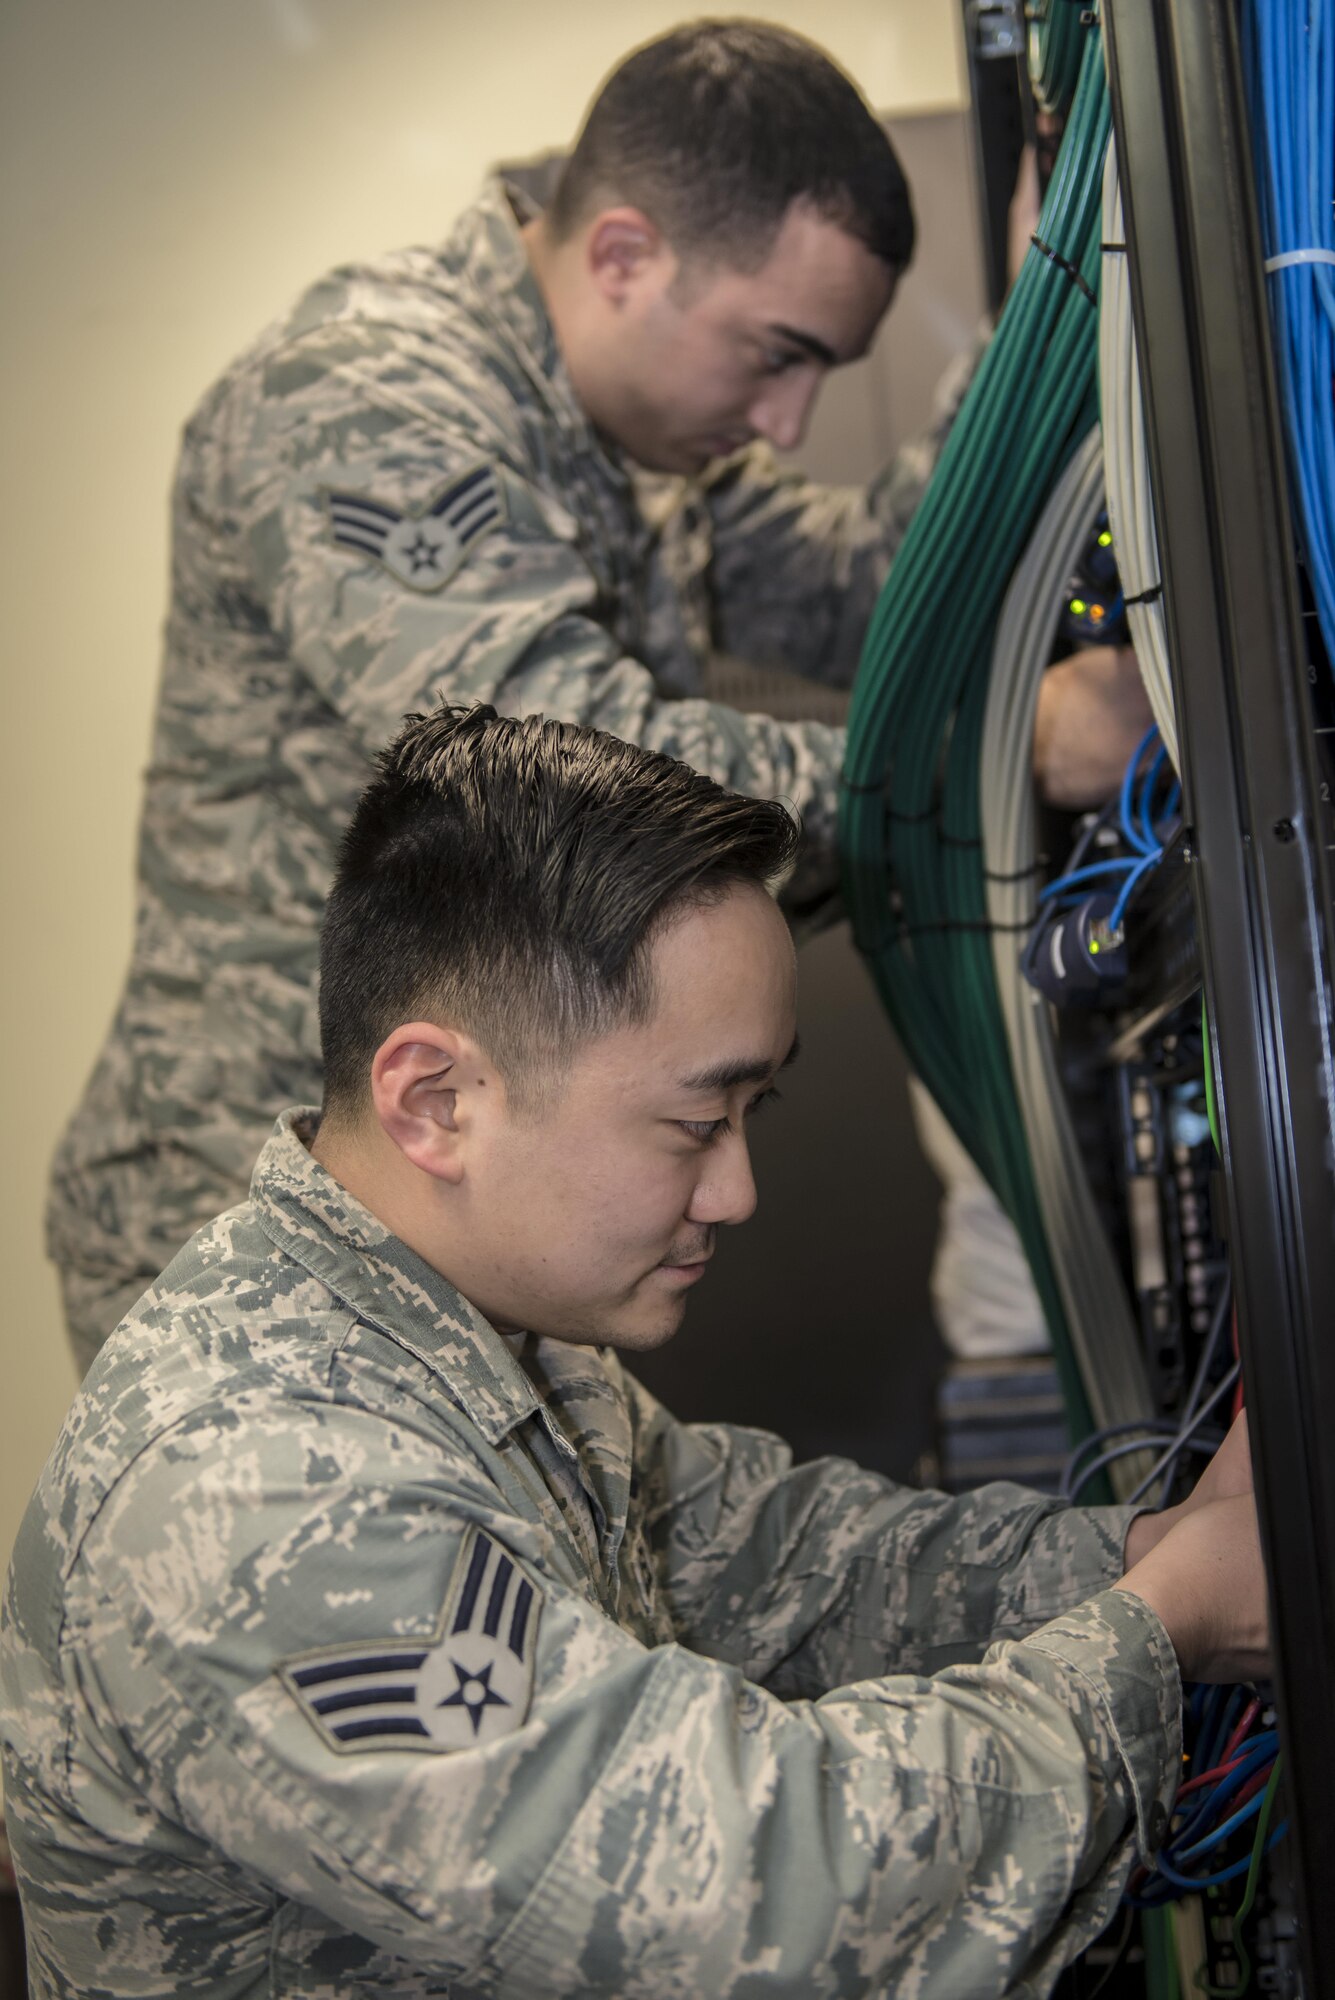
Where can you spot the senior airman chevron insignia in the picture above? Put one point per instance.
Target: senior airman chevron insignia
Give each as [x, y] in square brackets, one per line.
[466, 1686]
[423, 548]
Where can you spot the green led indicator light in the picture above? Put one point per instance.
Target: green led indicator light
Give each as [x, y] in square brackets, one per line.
[1094, 947]
[1079, 606]
[1105, 540]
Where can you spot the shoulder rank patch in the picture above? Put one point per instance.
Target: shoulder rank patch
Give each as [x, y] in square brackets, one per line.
[422, 548]
[464, 1687]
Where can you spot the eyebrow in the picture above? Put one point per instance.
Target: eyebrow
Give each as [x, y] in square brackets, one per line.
[807, 342]
[727, 1075]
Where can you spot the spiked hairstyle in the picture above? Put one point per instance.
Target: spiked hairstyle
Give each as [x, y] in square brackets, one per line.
[508, 875]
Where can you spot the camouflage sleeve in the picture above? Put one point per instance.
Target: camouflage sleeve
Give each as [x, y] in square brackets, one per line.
[813, 1575]
[515, 612]
[798, 566]
[278, 1646]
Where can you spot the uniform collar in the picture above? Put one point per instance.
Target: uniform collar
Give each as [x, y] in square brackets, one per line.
[487, 250]
[313, 1219]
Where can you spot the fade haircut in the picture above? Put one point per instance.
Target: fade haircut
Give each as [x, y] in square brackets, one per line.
[716, 129]
[508, 876]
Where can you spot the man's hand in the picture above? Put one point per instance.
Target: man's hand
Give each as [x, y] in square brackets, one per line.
[1207, 1584]
[1092, 712]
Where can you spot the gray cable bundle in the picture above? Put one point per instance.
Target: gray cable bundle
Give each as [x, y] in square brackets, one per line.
[1103, 1329]
[1130, 501]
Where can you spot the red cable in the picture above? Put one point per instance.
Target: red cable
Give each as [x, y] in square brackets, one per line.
[1207, 1777]
[1249, 1716]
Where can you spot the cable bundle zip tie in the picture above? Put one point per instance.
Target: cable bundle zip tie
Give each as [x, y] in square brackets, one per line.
[1064, 264]
[1287, 257]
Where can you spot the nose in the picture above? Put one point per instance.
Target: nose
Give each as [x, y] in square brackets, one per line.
[781, 410]
[726, 1189]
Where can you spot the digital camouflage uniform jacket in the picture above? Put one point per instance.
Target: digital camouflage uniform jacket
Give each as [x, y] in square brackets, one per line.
[353, 1650]
[393, 496]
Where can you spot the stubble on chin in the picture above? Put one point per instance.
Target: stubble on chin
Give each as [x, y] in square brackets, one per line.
[643, 1333]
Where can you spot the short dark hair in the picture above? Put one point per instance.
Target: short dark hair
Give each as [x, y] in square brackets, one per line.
[716, 129]
[508, 875]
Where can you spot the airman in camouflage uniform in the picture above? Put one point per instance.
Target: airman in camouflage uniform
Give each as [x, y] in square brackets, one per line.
[372, 1632]
[354, 1650]
[398, 494]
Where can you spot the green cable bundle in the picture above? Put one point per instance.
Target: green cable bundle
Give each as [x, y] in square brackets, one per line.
[1055, 47]
[915, 878]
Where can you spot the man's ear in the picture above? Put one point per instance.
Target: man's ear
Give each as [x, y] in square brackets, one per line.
[426, 1085]
[623, 249]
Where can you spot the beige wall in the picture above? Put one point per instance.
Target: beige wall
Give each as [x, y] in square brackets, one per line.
[170, 172]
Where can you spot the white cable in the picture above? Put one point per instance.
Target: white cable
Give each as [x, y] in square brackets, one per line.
[1130, 501]
[1103, 1330]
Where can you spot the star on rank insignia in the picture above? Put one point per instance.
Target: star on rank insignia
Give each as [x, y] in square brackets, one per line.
[422, 548]
[464, 1687]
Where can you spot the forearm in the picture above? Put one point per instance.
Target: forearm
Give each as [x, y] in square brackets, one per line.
[810, 1576]
[966, 1834]
[1203, 1577]
[1145, 1533]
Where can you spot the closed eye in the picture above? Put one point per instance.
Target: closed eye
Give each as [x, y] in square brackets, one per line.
[706, 1130]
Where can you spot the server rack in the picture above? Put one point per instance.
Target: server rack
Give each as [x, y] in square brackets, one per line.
[1253, 696]
[1255, 703]
[1257, 721]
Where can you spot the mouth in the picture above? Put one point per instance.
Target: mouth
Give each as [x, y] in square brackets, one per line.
[685, 1274]
[685, 1270]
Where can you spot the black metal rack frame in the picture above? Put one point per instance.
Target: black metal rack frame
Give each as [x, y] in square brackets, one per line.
[1254, 753]
[1002, 120]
